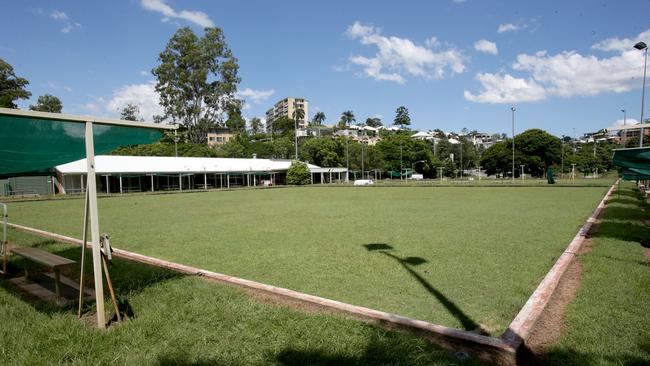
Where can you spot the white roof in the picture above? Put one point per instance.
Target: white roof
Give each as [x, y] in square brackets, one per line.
[369, 128]
[421, 134]
[114, 164]
[453, 141]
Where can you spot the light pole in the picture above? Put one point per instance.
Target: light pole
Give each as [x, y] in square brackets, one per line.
[460, 144]
[295, 121]
[595, 167]
[562, 175]
[479, 174]
[401, 164]
[362, 167]
[522, 173]
[624, 123]
[642, 47]
[440, 168]
[513, 109]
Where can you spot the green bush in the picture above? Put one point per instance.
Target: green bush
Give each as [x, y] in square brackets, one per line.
[298, 173]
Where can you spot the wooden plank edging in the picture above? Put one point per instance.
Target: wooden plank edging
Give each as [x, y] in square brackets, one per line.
[522, 325]
[435, 330]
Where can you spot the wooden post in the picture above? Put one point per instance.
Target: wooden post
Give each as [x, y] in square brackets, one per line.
[83, 257]
[152, 185]
[121, 184]
[94, 226]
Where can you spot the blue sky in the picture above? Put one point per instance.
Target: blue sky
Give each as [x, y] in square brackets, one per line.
[453, 64]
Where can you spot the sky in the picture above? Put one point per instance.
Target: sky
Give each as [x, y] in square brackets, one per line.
[454, 64]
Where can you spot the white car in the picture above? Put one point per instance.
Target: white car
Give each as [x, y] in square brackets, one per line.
[364, 182]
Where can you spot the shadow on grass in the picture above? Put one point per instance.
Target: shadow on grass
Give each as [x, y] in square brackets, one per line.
[128, 277]
[384, 350]
[408, 262]
[561, 357]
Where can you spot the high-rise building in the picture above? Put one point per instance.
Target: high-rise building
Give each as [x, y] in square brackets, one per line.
[285, 108]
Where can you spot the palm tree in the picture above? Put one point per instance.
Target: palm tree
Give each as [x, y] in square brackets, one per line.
[298, 114]
[347, 118]
[319, 118]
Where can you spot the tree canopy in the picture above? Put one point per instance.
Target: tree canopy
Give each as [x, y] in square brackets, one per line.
[47, 103]
[373, 122]
[197, 80]
[130, 112]
[402, 117]
[12, 87]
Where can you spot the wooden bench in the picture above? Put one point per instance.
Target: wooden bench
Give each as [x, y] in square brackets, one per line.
[46, 259]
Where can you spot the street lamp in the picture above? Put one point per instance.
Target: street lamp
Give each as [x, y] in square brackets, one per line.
[413, 164]
[642, 47]
[513, 109]
[522, 173]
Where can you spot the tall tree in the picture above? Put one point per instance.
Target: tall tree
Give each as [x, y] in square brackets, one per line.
[197, 80]
[130, 112]
[373, 122]
[12, 87]
[319, 118]
[47, 103]
[402, 117]
[256, 125]
[235, 122]
[347, 118]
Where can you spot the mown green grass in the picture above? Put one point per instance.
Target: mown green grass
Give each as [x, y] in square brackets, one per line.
[608, 323]
[462, 257]
[177, 320]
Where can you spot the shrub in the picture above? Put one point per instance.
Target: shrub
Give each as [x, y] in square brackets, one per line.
[298, 173]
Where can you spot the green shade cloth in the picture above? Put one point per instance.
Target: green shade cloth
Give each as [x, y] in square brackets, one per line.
[638, 158]
[30, 145]
[635, 163]
[633, 174]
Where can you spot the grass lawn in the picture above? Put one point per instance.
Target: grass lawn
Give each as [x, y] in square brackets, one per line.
[179, 320]
[608, 323]
[462, 257]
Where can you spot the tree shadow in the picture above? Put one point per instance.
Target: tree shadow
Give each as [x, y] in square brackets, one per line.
[406, 263]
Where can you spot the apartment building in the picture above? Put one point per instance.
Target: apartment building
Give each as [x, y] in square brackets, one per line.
[285, 108]
[218, 137]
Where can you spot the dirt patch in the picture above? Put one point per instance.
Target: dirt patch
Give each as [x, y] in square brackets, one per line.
[551, 323]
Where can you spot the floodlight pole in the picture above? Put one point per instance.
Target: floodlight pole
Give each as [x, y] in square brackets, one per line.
[522, 173]
[644, 47]
[624, 124]
[94, 226]
[513, 109]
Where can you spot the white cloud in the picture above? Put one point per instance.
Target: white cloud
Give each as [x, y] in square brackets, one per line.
[255, 95]
[566, 74]
[483, 45]
[143, 95]
[625, 44]
[197, 17]
[62, 17]
[397, 57]
[143, 73]
[506, 89]
[628, 122]
[508, 27]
